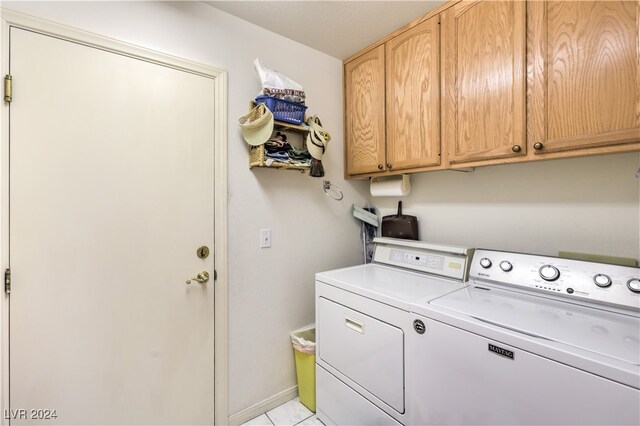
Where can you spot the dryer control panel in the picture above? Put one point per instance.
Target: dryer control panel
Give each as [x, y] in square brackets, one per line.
[580, 280]
[437, 259]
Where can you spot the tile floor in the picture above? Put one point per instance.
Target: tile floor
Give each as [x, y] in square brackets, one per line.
[288, 414]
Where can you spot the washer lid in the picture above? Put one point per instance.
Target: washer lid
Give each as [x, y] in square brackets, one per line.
[598, 331]
[387, 284]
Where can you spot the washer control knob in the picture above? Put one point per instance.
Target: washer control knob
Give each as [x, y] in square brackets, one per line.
[602, 280]
[549, 273]
[634, 285]
[506, 266]
[485, 263]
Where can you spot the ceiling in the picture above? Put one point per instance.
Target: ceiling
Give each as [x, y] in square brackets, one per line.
[337, 28]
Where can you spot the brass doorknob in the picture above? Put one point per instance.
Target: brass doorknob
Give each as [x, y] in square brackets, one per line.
[516, 148]
[201, 278]
[538, 146]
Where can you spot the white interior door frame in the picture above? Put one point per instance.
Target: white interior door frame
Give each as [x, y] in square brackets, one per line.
[13, 19]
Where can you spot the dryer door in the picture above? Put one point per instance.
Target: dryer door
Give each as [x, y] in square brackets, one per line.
[365, 349]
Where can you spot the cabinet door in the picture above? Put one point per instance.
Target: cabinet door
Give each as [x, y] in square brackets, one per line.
[484, 80]
[364, 113]
[413, 97]
[584, 74]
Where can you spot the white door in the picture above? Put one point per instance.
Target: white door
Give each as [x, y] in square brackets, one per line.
[111, 194]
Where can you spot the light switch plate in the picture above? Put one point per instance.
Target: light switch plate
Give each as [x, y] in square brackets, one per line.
[265, 238]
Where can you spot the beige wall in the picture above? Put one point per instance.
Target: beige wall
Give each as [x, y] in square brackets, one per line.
[587, 205]
[271, 290]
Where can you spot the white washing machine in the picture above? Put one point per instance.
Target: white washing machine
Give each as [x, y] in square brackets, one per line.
[531, 340]
[362, 320]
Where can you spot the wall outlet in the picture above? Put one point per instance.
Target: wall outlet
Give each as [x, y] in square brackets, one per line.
[265, 238]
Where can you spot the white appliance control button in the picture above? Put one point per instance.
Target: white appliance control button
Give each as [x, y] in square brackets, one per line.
[485, 263]
[602, 280]
[549, 273]
[634, 285]
[506, 266]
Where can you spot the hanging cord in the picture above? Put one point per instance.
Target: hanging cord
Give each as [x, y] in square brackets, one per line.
[369, 232]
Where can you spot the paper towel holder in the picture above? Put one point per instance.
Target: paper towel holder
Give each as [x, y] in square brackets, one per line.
[396, 186]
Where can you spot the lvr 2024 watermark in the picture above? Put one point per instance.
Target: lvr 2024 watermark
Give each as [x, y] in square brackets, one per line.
[32, 414]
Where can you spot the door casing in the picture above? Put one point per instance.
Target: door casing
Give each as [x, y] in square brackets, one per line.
[13, 19]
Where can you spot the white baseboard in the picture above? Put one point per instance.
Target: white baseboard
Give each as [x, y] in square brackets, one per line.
[263, 406]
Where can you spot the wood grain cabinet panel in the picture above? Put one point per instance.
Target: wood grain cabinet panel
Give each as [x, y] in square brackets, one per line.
[517, 81]
[413, 97]
[584, 74]
[484, 80]
[365, 113]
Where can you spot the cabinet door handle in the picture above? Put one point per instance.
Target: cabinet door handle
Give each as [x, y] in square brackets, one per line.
[354, 325]
[380, 167]
[516, 148]
[538, 146]
[389, 166]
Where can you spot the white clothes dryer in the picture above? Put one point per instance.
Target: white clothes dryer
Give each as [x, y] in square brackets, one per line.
[363, 319]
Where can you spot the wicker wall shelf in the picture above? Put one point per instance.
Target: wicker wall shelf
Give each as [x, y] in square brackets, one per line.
[257, 156]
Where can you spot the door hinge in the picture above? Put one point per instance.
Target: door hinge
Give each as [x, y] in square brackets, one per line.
[7, 280]
[215, 275]
[8, 87]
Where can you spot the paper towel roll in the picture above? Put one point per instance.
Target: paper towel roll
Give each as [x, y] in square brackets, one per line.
[392, 186]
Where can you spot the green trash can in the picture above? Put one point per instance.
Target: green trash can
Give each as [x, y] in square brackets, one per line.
[304, 350]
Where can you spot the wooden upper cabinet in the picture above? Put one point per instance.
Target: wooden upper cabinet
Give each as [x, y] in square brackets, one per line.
[413, 97]
[483, 76]
[584, 76]
[365, 113]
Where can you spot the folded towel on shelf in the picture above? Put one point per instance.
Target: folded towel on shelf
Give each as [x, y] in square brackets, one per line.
[277, 155]
[299, 153]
